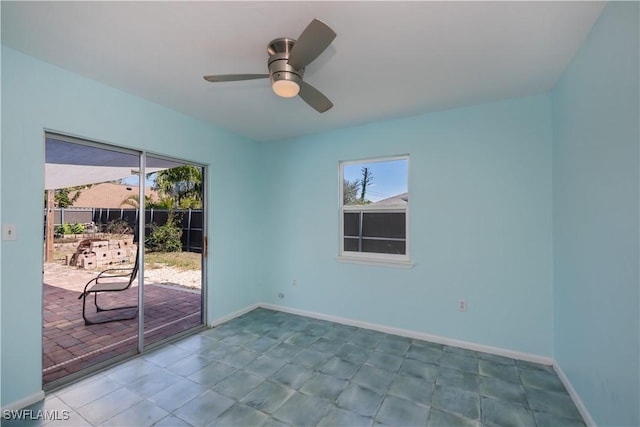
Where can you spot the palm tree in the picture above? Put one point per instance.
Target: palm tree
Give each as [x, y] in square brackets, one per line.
[183, 184]
[134, 201]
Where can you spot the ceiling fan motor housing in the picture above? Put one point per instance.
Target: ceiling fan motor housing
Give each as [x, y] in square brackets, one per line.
[279, 68]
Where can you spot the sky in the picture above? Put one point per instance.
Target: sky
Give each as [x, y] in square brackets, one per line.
[135, 180]
[389, 177]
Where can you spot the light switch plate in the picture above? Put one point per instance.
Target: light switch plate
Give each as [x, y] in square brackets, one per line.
[9, 232]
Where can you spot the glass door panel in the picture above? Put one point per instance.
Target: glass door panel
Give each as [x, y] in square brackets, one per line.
[174, 236]
[89, 238]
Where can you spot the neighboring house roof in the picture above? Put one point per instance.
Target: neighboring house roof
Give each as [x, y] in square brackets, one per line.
[398, 199]
[108, 195]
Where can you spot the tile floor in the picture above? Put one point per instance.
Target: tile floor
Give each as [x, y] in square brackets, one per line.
[269, 368]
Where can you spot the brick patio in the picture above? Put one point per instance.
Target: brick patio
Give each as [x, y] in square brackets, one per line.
[69, 346]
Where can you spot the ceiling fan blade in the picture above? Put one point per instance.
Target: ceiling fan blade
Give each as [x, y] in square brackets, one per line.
[234, 77]
[314, 97]
[311, 43]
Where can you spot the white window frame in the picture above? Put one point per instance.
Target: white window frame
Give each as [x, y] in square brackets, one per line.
[373, 258]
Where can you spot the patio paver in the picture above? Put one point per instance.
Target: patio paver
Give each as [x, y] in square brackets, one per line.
[69, 346]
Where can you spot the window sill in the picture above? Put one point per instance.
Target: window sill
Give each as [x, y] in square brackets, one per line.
[375, 261]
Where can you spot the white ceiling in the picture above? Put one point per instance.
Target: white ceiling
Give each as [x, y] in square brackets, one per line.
[389, 59]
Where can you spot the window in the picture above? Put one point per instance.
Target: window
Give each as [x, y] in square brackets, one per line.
[374, 205]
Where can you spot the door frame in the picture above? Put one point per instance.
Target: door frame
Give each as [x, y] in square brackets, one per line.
[141, 348]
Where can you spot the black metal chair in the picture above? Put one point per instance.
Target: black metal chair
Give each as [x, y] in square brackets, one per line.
[104, 283]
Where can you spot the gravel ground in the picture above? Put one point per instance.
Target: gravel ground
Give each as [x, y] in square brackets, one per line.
[59, 274]
[173, 276]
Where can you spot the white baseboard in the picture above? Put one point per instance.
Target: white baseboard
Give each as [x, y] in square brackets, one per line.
[586, 416]
[40, 395]
[233, 315]
[414, 334]
[24, 402]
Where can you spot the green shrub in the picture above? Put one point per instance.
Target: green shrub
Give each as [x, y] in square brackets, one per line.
[77, 228]
[62, 229]
[67, 228]
[165, 238]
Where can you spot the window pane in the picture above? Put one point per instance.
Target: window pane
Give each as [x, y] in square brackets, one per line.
[371, 182]
[382, 224]
[383, 246]
[375, 203]
[352, 224]
[350, 245]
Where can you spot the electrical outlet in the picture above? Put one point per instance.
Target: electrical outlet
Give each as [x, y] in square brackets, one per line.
[281, 295]
[294, 282]
[462, 305]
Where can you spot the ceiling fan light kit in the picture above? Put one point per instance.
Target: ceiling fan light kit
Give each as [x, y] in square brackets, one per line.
[285, 88]
[285, 80]
[287, 61]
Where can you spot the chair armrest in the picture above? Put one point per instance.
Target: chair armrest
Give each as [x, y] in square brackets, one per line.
[102, 276]
[84, 292]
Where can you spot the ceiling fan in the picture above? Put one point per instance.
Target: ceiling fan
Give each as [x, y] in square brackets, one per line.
[287, 60]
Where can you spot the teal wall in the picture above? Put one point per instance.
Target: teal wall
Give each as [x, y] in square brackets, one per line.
[36, 96]
[1, 222]
[596, 237]
[527, 208]
[480, 225]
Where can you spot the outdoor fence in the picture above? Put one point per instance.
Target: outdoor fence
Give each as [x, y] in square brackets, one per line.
[191, 220]
[375, 229]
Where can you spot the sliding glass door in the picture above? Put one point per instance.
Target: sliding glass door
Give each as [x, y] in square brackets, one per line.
[124, 246]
